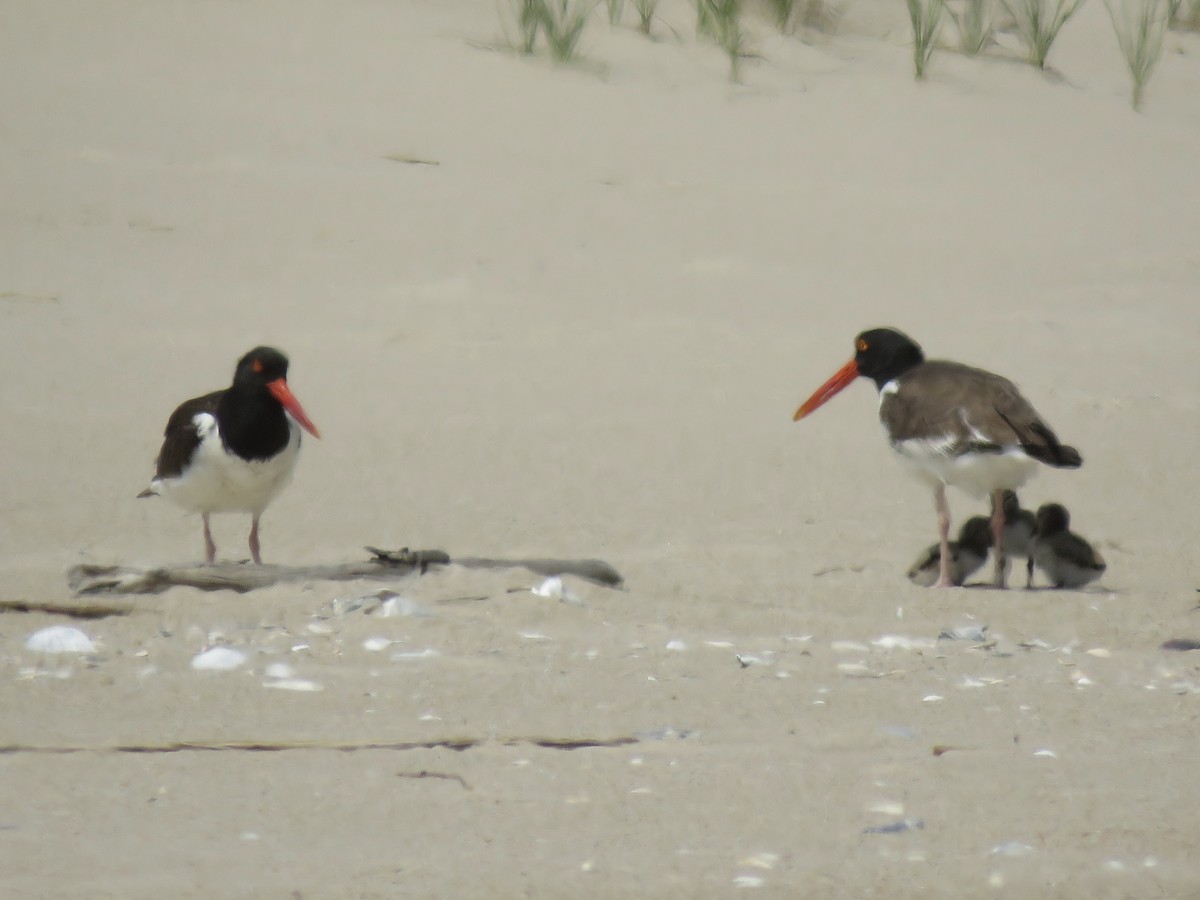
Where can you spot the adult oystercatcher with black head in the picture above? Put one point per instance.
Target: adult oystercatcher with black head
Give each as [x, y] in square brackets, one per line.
[952, 424]
[234, 450]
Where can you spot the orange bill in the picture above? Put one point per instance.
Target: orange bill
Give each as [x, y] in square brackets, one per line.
[841, 379]
[279, 388]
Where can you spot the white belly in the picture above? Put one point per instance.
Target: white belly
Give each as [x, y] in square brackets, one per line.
[218, 481]
[976, 473]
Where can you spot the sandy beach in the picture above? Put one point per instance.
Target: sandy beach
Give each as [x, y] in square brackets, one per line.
[569, 311]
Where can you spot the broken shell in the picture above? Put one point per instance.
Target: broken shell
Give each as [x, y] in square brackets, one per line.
[60, 639]
[900, 642]
[977, 633]
[375, 644]
[293, 684]
[760, 860]
[419, 654]
[218, 659]
[279, 670]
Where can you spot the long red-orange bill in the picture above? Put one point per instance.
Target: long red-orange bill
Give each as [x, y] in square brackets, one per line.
[279, 388]
[841, 379]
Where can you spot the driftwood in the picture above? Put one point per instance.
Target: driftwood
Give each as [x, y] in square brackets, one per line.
[454, 743]
[386, 565]
[77, 610]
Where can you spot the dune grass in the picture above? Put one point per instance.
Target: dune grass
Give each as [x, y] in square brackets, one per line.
[615, 8]
[645, 10]
[1183, 15]
[721, 20]
[560, 23]
[816, 15]
[1139, 26]
[1038, 23]
[926, 18]
[975, 25]
[563, 23]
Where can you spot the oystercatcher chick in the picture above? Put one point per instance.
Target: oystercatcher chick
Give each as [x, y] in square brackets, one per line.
[1018, 526]
[967, 554]
[1066, 559]
[233, 450]
[952, 424]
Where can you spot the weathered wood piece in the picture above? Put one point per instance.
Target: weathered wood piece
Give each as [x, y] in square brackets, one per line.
[385, 565]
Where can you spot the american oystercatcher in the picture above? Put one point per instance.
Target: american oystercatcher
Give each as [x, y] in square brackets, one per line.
[967, 555]
[1066, 559]
[233, 450]
[952, 424]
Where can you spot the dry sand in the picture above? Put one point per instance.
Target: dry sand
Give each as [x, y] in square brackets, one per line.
[583, 333]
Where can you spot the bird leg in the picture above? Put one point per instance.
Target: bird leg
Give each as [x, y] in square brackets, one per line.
[254, 554]
[998, 538]
[943, 516]
[210, 549]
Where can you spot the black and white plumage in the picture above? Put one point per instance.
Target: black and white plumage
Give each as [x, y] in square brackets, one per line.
[952, 425]
[967, 555]
[1066, 559]
[233, 450]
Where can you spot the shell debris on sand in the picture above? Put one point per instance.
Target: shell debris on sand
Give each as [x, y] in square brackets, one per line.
[218, 659]
[382, 603]
[554, 588]
[293, 684]
[59, 639]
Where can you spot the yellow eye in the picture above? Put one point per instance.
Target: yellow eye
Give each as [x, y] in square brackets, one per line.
[863, 346]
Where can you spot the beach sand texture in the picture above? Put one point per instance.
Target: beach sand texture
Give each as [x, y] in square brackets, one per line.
[578, 326]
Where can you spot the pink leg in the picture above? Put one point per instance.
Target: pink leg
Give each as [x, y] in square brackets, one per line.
[998, 538]
[210, 549]
[254, 554]
[943, 516]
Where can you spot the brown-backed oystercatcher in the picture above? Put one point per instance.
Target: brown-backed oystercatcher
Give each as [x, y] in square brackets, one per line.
[952, 424]
[233, 450]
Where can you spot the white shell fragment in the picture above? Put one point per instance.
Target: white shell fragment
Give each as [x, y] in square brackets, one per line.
[293, 684]
[218, 659]
[748, 881]
[760, 860]
[375, 644]
[279, 670]
[418, 654]
[975, 633]
[901, 642]
[60, 639]
[554, 588]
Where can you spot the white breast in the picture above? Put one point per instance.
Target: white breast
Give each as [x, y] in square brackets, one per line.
[218, 481]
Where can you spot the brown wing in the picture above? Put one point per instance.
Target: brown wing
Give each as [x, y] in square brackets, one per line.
[973, 411]
[180, 437]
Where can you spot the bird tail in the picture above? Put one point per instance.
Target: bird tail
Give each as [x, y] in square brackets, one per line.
[1044, 445]
[1050, 451]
